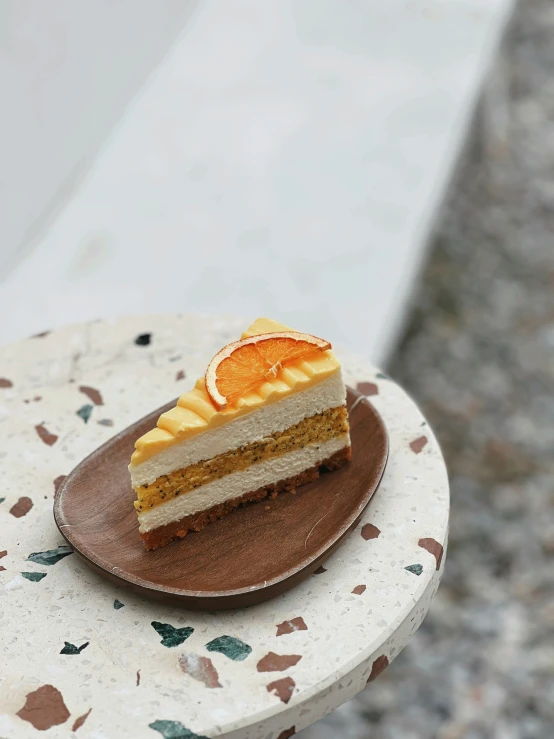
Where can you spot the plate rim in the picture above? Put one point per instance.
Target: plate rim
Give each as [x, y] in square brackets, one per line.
[217, 598]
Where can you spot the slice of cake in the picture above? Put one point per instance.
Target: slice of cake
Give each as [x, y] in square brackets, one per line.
[269, 413]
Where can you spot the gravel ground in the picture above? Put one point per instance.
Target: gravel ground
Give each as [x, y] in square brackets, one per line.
[478, 355]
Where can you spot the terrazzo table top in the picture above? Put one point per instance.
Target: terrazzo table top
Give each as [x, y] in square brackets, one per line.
[80, 658]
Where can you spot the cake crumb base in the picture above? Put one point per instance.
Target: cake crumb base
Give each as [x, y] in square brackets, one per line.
[159, 537]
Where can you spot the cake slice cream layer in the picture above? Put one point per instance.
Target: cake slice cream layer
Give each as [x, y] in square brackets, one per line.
[195, 413]
[268, 419]
[320, 428]
[238, 484]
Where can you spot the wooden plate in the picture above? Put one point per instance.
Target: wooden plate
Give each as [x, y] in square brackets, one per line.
[250, 556]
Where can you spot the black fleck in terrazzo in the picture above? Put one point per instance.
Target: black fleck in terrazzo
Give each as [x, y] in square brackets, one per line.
[69, 648]
[143, 339]
[117, 604]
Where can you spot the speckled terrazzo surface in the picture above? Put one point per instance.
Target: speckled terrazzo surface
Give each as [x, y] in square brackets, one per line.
[80, 656]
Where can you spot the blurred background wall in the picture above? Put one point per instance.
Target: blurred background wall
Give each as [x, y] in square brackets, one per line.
[67, 71]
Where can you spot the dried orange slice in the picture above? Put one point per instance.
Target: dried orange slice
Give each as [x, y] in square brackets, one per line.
[241, 367]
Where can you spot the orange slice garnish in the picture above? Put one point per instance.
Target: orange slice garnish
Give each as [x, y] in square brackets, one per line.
[243, 366]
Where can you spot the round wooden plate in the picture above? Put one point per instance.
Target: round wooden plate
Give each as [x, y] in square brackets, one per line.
[254, 554]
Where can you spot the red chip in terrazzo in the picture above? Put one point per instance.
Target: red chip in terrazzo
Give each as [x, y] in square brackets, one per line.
[282, 688]
[92, 393]
[378, 666]
[21, 508]
[45, 435]
[287, 733]
[277, 662]
[369, 531]
[367, 388]
[433, 547]
[81, 720]
[44, 708]
[57, 482]
[201, 669]
[288, 627]
[418, 445]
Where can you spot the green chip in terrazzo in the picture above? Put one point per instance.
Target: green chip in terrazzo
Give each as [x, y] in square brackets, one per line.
[230, 646]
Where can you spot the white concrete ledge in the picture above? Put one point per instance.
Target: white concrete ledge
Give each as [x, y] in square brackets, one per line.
[287, 158]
